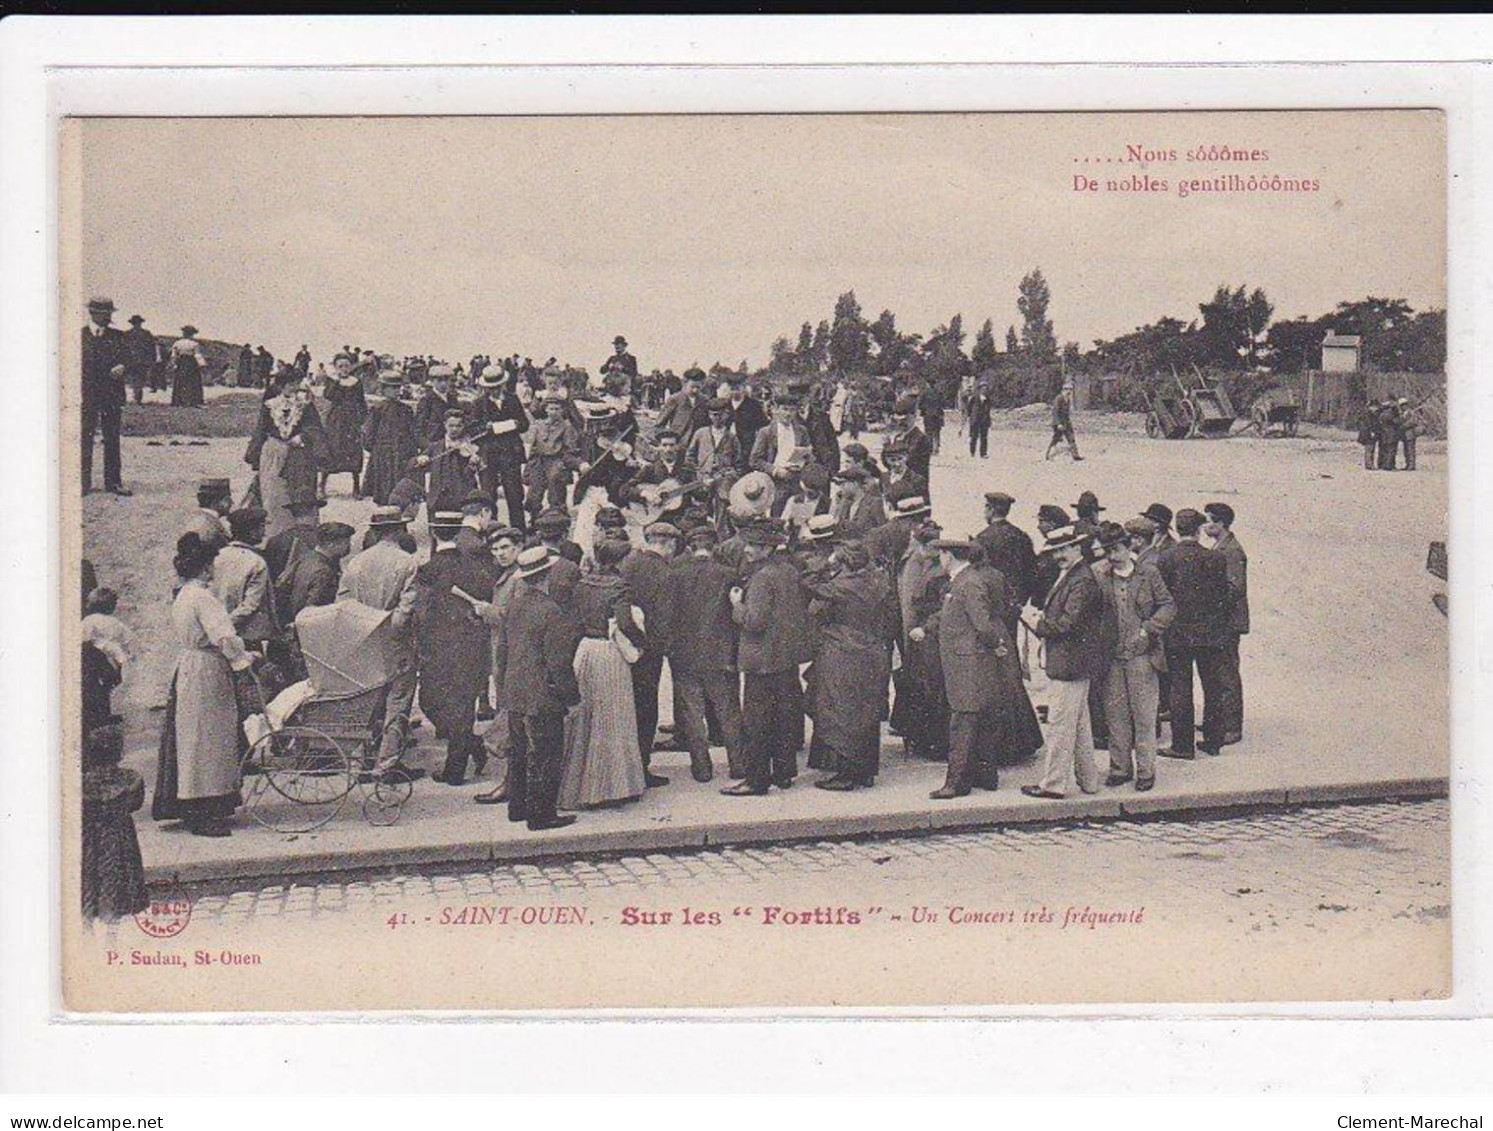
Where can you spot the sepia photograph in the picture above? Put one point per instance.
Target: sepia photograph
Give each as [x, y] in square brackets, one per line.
[754, 561]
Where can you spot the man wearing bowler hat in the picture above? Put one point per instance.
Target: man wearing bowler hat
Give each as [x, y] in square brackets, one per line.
[105, 357]
[534, 654]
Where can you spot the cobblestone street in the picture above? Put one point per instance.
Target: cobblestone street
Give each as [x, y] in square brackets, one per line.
[1305, 868]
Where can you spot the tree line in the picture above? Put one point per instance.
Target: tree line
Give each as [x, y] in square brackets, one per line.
[1233, 333]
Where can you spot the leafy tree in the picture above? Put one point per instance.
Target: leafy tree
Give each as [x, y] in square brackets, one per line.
[783, 358]
[1012, 345]
[820, 348]
[1037, 337]
[805, 351]
[983, 356]
[849, 336]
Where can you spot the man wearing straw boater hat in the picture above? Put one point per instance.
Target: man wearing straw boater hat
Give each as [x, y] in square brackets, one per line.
[383, 577]
[104, 360]
[453, 640]
[1071, 626]
[534, 654]
[502, 421]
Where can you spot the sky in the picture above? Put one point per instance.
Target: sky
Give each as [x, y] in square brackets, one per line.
[702, 238]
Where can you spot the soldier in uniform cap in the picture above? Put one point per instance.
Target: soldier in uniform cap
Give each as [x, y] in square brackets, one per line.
[1008, 549]
[104, 359]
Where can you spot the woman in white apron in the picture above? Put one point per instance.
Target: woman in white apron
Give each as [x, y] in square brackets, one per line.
[197, 778]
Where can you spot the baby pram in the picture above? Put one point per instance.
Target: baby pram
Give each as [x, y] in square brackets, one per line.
[313, 746]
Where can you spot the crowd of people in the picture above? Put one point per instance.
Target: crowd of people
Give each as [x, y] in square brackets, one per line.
[579, 542]
[1386, 429]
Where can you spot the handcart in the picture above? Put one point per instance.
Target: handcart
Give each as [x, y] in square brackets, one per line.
[1276, 412]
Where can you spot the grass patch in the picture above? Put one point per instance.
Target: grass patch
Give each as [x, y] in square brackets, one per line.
[231, 414]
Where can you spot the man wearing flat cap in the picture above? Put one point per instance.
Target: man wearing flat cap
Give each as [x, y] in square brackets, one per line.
[1220, 530]
[315, 576]
[716, 458]
[857, 511]
[383, 577]
[210, 521]
[914, 442]
[687, 411]
[105, 356]
[1009, 549]
[241, 580]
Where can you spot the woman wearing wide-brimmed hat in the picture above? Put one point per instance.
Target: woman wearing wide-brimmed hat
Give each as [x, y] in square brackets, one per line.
[186, 369]
[347, 409]
[197, 779]
[287, 449]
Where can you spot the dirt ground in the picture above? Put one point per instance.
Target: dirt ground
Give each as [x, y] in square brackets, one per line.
[1344, 634]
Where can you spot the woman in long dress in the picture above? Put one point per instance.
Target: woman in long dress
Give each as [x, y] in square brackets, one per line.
[186, 369]
[603, 762]
[197, 778]
[388, 438]
[347, 409]
[288, 446]
[855, 612]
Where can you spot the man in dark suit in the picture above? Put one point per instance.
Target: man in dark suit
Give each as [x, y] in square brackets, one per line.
[498, 411]
[977, 409]
[105, 357]
[773, 618]
[822, 437]
[430, 412]
[687, 411]
[647, 573]
[1199, 637]
[1009, 549]
[1220, 528]
[533, 663]
[968, 641]
[314, 577]
[702, 654]
[913, 441]
[888, 542]
[1072, 627]
[748, 416]
[621, 362]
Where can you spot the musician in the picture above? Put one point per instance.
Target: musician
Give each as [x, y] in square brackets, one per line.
[452, 463]
[612, 472]
[502, 422]
[669, 468]
[554, 456]
[715, 456]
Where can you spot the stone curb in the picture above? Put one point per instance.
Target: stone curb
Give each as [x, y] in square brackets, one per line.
[570, 842]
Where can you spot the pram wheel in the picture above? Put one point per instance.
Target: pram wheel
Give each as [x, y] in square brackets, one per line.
[384, 802]
[306, 776]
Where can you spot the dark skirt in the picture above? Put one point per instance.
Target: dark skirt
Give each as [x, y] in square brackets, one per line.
[165, 805]
[113, 880]
[344, 425]
[186, 382]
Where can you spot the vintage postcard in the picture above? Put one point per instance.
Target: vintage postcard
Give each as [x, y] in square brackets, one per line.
[785, 562]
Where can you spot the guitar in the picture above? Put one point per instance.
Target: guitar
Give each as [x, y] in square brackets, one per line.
[664, 499]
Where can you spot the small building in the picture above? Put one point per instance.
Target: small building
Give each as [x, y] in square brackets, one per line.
[1342, 353]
